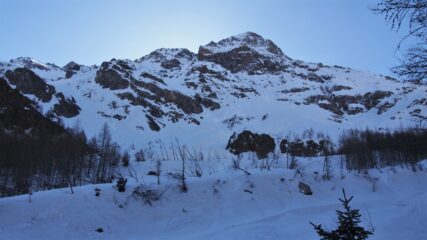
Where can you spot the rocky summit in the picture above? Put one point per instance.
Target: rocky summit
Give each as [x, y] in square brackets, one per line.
[244, 82]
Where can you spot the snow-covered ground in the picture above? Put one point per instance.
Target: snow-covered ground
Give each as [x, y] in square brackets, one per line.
[217, 206]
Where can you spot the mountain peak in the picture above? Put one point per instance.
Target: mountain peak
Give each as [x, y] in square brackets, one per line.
[249, 37]
[250, 40]
[30, 63]
[164, 54]
[246, 52]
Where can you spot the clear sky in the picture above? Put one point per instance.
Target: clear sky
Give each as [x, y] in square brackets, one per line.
[341, 32]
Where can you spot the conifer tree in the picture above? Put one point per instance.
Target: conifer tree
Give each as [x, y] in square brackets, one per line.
[348, 224]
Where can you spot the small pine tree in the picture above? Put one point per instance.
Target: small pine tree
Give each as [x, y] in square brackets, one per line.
[348, 224]
[121, 184]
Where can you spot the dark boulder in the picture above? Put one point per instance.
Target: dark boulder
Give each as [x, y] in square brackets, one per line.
[304, 188]
[246, 141]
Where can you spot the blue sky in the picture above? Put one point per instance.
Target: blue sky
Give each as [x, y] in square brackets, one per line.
[341, 32]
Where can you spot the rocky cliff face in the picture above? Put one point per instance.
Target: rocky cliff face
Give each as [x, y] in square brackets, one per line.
[71, 68]
[247, 52]
[244, 82]
[28, 82]
[20, 114]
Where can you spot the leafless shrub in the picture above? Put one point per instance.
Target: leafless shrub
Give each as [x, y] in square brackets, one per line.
[146, 194]
[140, 156]
[179, 152]
[236, 164]
[195, 158]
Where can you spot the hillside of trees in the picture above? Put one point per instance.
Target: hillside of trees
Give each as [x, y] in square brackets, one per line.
[38, 153]
[368, 149]
[42, 161]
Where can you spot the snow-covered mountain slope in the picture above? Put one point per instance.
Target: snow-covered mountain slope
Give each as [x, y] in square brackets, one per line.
[225, 204]
[242, 82]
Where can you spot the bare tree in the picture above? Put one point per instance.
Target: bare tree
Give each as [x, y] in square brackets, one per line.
[326, 149]
[125, 159]
[414, 64]
[414, 12]
[158, 169]
[183, 156]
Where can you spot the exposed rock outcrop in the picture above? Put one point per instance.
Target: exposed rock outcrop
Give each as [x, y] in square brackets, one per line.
[66, 107]
[114, 75]
[149, 76]
[248, 52]
[246, 141]
[28, 82]
[71, 68]
[20, 114]
[30, 63]
[152, 124]
[184, 102]
[350, 104]
[169, 64]
[208, 103]
[241, 59]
